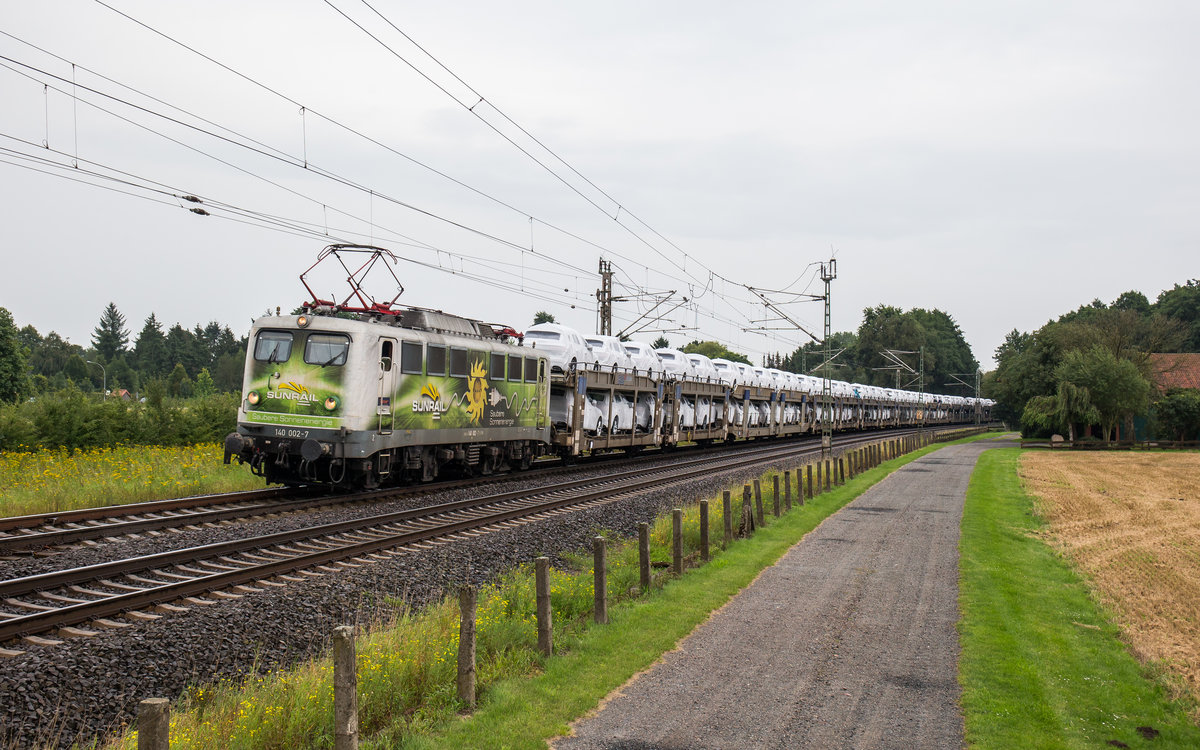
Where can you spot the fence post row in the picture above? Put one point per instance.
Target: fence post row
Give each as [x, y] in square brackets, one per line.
[345, 689]
[545, 623]
[466, 645]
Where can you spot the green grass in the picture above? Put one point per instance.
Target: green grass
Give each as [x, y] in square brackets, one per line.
[1042, 665]
[51, 480]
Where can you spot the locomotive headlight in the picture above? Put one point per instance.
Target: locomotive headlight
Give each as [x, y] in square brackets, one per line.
[252, 398]
[331, 403]
[303, 321]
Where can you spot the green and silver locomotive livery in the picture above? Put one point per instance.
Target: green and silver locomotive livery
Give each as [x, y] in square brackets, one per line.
[372, 399]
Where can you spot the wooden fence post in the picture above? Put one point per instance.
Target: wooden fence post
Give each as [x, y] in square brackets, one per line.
[154, 724]
[758, 504]
[466, 646]
[545, 622]
[600, 580]
[345, 689]
[727, 509]
[819, 490]
[810, 487]
[644, 555]
[841, 470]
[747, 512]
[704, 551]
[775, 507]
[827, 475]
[787, 490]
[677, 541]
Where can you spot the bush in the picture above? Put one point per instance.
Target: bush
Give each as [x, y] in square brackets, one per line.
[71, 419]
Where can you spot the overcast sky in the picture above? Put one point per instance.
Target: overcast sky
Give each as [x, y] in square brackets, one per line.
[1002, 161]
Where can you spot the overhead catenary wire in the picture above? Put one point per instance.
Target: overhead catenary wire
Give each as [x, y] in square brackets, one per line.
[298, 104]
[734, 304]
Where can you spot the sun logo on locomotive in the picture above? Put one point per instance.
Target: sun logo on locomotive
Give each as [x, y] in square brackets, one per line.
[293, 391]
[477, 388]
[434, 404]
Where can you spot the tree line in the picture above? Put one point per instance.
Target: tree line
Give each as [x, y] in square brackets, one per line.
[912, 350]
[185, 385]
[1092, 368]
[183, 362]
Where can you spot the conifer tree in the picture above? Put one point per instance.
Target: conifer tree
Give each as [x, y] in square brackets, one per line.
[110, 337]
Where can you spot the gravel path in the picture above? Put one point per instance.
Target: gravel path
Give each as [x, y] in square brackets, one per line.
[849, 641]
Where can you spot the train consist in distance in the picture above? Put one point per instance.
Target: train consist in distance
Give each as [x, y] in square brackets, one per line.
[375, 394]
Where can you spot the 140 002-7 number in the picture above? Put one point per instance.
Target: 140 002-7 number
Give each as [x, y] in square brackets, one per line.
[282, 432]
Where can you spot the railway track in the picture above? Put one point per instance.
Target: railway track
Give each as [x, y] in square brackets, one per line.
[168, 582]
[49, 532]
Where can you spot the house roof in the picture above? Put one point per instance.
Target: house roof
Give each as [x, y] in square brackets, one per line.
[1175, 370]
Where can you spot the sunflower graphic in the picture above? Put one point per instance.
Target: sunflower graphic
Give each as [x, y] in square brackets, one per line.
[477, 388]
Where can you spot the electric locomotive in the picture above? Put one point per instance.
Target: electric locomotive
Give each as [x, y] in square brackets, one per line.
[371, 394]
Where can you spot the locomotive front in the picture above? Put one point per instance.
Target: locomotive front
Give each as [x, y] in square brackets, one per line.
[305, 397]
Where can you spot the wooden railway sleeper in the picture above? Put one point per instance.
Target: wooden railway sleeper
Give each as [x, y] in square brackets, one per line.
[119, 586]
[88, 592]
[61, 599]
[29, 605]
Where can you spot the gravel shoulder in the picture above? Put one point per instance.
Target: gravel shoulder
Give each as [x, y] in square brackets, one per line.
[848, 641]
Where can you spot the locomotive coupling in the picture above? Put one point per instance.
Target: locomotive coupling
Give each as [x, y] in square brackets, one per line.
[311, 450]
[234, 443]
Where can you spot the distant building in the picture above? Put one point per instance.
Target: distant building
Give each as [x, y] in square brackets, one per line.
[1175, 371]
[1168, 371]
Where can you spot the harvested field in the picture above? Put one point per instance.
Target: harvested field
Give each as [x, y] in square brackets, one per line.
[1130, 522]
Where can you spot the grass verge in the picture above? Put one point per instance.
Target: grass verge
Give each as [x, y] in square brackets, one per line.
[51, 480]
[1042, 665]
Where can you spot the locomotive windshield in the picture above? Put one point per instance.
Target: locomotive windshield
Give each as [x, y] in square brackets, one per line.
[273, 346]
[326, 349]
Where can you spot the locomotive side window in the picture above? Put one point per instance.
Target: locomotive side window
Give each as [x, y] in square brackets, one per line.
[273, 346]
[458, 363]
[436, 360]
[497, 369]
[410, 357]
[326, 349]
[530, 370]
[514, 368]
[385, 356]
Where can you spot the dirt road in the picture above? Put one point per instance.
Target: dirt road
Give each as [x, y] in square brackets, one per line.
[849, 641]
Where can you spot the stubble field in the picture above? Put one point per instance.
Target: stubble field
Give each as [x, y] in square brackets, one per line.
[1130, 522]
